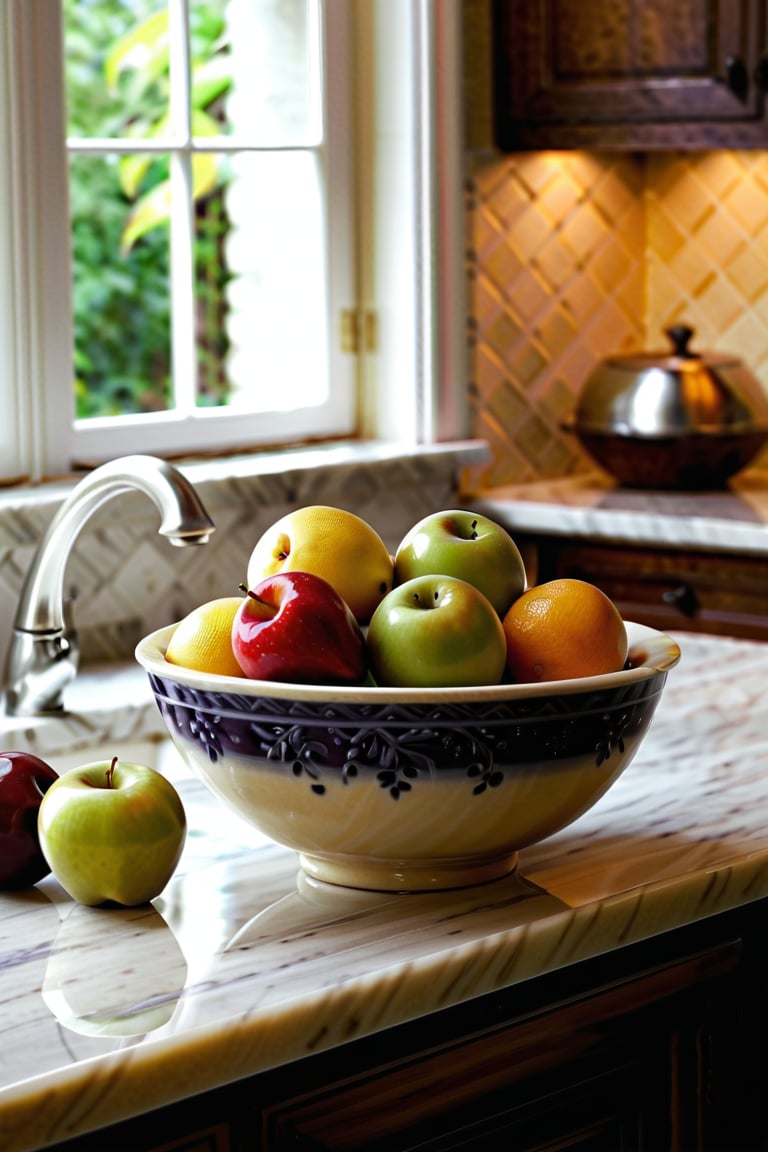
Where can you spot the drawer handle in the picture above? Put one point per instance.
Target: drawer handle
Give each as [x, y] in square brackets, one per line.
[737, 77]
[683, 598]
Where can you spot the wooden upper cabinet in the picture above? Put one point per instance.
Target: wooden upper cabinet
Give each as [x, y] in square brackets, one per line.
[630, 74]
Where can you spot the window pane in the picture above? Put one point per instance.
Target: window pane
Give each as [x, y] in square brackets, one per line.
[116, 58]
[211, 277]
[276, 72]
[121, 300]
[200, 217]
[278, 311]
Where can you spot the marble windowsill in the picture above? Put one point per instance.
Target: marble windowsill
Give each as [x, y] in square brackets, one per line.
[279, 472]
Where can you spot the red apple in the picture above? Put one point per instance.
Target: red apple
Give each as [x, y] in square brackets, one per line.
[293, 627]
[24, 779]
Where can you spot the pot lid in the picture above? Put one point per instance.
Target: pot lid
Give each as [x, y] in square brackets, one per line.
[679, 358]
[679, 392]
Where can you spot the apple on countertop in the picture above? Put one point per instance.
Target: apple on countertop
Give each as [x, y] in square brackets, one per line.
[112, 832]
[24, 779]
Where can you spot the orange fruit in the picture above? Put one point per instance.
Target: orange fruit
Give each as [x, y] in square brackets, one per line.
[336, 545]
[563, 630]
[203, 639]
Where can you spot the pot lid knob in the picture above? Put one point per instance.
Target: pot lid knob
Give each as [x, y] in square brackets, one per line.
[680, 335]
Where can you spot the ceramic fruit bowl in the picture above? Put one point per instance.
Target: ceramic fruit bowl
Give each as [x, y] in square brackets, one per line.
[399, 789]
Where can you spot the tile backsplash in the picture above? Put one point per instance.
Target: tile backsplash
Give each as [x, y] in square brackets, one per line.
[575, 256]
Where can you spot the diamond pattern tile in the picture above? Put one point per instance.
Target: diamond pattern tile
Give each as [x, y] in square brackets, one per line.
[575, 256]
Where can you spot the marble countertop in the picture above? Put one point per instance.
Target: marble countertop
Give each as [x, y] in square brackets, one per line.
[242, 965]
[591, 506]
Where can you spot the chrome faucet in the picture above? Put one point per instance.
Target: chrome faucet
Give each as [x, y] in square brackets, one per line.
[43, 653]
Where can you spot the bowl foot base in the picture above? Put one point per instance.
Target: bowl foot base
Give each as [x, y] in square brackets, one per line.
[379, 875]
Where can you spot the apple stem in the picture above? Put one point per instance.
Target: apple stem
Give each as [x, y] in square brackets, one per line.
[253, 596]
[111, 772]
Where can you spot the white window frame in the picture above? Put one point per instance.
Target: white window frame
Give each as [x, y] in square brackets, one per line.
[411, 381]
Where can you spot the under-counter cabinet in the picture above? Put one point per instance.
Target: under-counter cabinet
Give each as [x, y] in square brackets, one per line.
[646, 1049]
[630, 74]
[665, 588]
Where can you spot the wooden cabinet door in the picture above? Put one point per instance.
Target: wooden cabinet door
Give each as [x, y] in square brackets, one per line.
[630, 73]
[641, 1063]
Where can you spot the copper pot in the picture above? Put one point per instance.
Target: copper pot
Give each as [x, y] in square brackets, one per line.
[679, 419]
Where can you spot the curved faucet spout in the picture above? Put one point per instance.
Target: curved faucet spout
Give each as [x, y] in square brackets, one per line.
[43, 653]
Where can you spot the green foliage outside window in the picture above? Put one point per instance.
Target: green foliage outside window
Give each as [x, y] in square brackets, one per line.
[117, 85]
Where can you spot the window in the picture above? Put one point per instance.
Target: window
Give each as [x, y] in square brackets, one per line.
[309, 237]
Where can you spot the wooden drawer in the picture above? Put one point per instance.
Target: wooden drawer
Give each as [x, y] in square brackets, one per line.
[695, 591]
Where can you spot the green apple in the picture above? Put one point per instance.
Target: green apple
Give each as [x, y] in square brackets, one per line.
[470, 547]
[436, 632]
[112, 832]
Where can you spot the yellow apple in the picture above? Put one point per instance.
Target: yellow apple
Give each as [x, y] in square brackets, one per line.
[336, 545]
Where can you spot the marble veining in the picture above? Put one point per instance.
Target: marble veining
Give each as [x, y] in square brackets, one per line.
[243, 963]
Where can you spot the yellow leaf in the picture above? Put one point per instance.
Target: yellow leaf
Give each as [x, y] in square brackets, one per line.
[144, 48]
[132, 171]
[204, 175]
[151, 210]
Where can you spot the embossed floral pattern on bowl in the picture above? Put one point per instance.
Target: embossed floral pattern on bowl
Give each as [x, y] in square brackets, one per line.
[398, 789]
